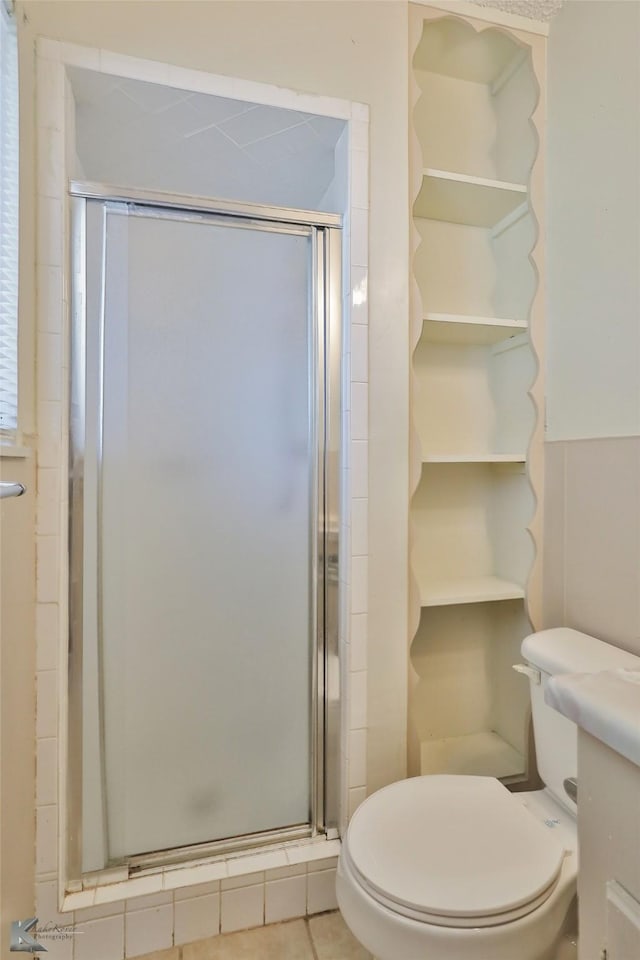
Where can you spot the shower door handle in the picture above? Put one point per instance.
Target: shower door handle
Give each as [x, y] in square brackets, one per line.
[332, 568]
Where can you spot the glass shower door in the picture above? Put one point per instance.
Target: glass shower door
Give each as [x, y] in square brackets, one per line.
[200, 528]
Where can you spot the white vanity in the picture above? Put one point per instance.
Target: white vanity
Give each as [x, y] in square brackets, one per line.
[606, 708]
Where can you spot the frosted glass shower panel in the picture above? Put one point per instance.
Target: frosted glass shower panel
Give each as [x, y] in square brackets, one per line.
[207, 531]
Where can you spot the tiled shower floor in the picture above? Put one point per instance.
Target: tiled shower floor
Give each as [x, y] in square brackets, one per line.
[322, 937]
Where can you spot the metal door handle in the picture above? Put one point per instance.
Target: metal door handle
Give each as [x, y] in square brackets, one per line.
[8, 489]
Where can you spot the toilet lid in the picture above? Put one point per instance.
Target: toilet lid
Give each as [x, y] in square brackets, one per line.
[453, 850]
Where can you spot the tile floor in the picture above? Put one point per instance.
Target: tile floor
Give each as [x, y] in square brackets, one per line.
[322, 937]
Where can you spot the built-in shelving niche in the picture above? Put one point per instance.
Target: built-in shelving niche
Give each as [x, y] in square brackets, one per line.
[472, 415]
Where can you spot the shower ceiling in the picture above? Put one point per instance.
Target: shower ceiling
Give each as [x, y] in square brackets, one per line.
[131, 132]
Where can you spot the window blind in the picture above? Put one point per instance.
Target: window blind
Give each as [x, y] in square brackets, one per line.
[8, 223]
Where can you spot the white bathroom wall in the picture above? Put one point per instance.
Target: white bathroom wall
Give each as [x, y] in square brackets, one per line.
[593, 206]
[592, 524]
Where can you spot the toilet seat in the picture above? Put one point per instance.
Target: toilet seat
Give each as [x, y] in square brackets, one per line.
[455, 851]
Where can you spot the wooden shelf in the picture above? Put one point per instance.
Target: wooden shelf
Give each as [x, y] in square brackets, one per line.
[469, 331]
[475, 458]
[441, 593]
[472, 201]
[478, 754]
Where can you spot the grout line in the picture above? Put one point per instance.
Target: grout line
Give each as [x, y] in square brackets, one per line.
[314, 952]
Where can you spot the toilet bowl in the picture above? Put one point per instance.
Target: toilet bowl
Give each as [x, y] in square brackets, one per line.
[458, 868]
[452, 867]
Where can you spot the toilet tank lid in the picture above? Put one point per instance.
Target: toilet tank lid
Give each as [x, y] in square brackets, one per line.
[563, 650]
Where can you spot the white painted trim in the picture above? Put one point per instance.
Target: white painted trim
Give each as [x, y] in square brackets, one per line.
[464, 8]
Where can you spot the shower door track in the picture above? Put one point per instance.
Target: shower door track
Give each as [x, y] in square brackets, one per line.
[325, 383]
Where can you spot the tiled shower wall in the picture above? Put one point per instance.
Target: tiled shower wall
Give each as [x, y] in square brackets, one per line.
[141, 924]
[592, 538]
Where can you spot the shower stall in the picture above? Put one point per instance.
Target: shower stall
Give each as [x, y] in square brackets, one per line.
[204, 521]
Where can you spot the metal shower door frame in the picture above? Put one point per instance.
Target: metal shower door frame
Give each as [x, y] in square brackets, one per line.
[98, 200]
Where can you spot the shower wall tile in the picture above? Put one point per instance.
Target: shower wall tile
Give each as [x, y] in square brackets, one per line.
[46, 771]
[360, 354]
[137, 887]
[77, 56]
[360, 179]
[285, 899]
[49, 436]
[359, 135]
[50, 83]
[327, 863]
[49, 287]
[242, 908]
[293, 870]
[50, 162]
[257, 862]
[246, 880]
[47, 638]
[359, 237]
[100, 939]
[357, 758]
[48, 508]
[187, 876]
[359, 527]
[151, 900]
[47, 569]
[104, 910]
[358, 644]
[358, 709]
[46, 840]
[148, 930]
[359, 468]
[50, 233]
[359, 584]
[203, 890]
[47, 704]
[321, 891]
[197, 918]
[359, 411]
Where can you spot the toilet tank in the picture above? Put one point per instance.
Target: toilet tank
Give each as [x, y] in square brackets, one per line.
[552, 652]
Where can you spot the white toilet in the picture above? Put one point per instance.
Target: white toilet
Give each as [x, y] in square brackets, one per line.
[457, 867]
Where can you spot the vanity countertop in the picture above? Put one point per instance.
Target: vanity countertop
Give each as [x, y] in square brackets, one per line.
[606, 705]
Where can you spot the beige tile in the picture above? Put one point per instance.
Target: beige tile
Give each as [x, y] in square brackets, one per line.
[333, 940]
[282, 941]
[603, 538]
[172, 954]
